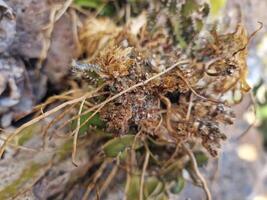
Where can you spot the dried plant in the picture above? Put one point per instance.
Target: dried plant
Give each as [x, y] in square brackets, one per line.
[157, 87]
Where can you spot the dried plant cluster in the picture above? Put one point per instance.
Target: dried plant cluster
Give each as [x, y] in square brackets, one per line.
[182, 104]
[153, 86]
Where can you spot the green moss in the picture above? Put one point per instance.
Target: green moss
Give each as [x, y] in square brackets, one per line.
[105, 8]
[12, 189]
[217, 6]
[189, 7]
[96, 4]
[27, 134]
[95, 121]
[118, 145]
[65, 149]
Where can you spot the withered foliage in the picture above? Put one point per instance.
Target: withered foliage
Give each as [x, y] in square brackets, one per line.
[151, 90]
[183, 104]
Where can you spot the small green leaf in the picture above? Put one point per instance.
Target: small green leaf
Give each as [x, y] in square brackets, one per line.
[134, 186]
[179, 185]
[108, 10]
[153, 188]
[118, 145]
[198, 25]
[161, 196]
[89, 3]
[189, 7]
[95, 121]
[216, 6]
[201, 158]
[104, 8]
[262, 112]
[177, 32]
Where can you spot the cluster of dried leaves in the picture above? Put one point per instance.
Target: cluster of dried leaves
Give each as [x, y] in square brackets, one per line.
[158, 85]
[183, 103]
[165, 77]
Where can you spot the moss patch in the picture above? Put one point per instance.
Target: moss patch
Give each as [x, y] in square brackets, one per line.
[28, 174]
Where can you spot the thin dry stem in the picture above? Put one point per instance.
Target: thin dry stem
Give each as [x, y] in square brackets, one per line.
[97, 175]
[76, 134]
[197, 172]
[159, 124]
[56, 119]
[37, 119]
[46, 114]
[129, 164]
[167, 102]
[141, 192]
[195, 92]
[190, 105]
[64, 8]
[63, 96]
[171, 159]
[19, 146]
[110, 177]
[128, 178]
[90, 117]
[84, 113]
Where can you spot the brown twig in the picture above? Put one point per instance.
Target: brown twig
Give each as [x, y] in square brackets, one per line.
[190, 105]
[110, 177]
[90, 117]
[198, 174]
[195, 92]
[166, 163]
[142, 181]
[37, 119]
[130, 164]
[56, 119]
[19, 146]
[76, 133]
[97, 175]
[84, 113]
[168, 104]
[63, 9]
[50, 100]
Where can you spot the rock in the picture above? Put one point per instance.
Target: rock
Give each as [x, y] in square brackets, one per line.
[62, 50]
[31, 17]
[15, 91]
[7, 26]
[32, 39]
